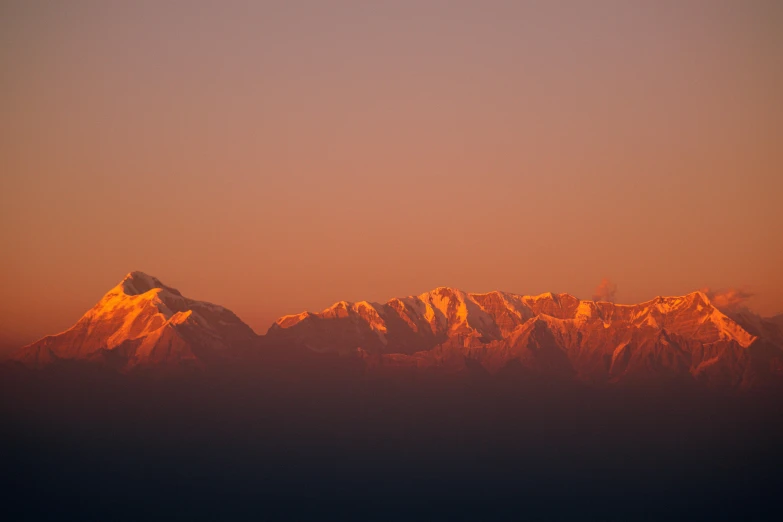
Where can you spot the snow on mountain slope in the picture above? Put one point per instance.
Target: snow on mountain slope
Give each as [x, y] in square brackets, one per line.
[445, 313]
[555, 334]
[142, 321]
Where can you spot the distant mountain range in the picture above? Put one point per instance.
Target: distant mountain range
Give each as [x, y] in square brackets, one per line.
[142, 323]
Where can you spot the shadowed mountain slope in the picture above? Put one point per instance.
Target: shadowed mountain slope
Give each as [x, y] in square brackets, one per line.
[142, 323]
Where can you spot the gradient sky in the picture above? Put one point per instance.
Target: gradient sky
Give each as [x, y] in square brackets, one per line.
[280, 156]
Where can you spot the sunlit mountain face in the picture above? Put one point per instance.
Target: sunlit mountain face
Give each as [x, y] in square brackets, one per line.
[144, 324]
[444, 405]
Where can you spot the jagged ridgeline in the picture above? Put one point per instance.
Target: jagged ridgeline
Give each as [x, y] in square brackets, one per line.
[144, 323]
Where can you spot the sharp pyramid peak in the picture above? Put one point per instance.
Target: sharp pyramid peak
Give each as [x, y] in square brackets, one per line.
[137, 282]
[445, 290]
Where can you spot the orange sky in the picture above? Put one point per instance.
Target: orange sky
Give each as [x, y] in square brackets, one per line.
[280, 156]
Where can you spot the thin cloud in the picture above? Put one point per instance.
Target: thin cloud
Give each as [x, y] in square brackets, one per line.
[605, 291]
[728, 299]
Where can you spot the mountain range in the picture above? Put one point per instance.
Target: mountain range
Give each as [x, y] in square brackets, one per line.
[143, 323]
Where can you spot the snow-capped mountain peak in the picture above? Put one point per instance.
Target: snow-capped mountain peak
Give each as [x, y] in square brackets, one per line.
[140, 312]
[142, 321]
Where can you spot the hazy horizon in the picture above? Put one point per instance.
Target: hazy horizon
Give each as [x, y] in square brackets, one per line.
[275, 158]
[726, 299]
